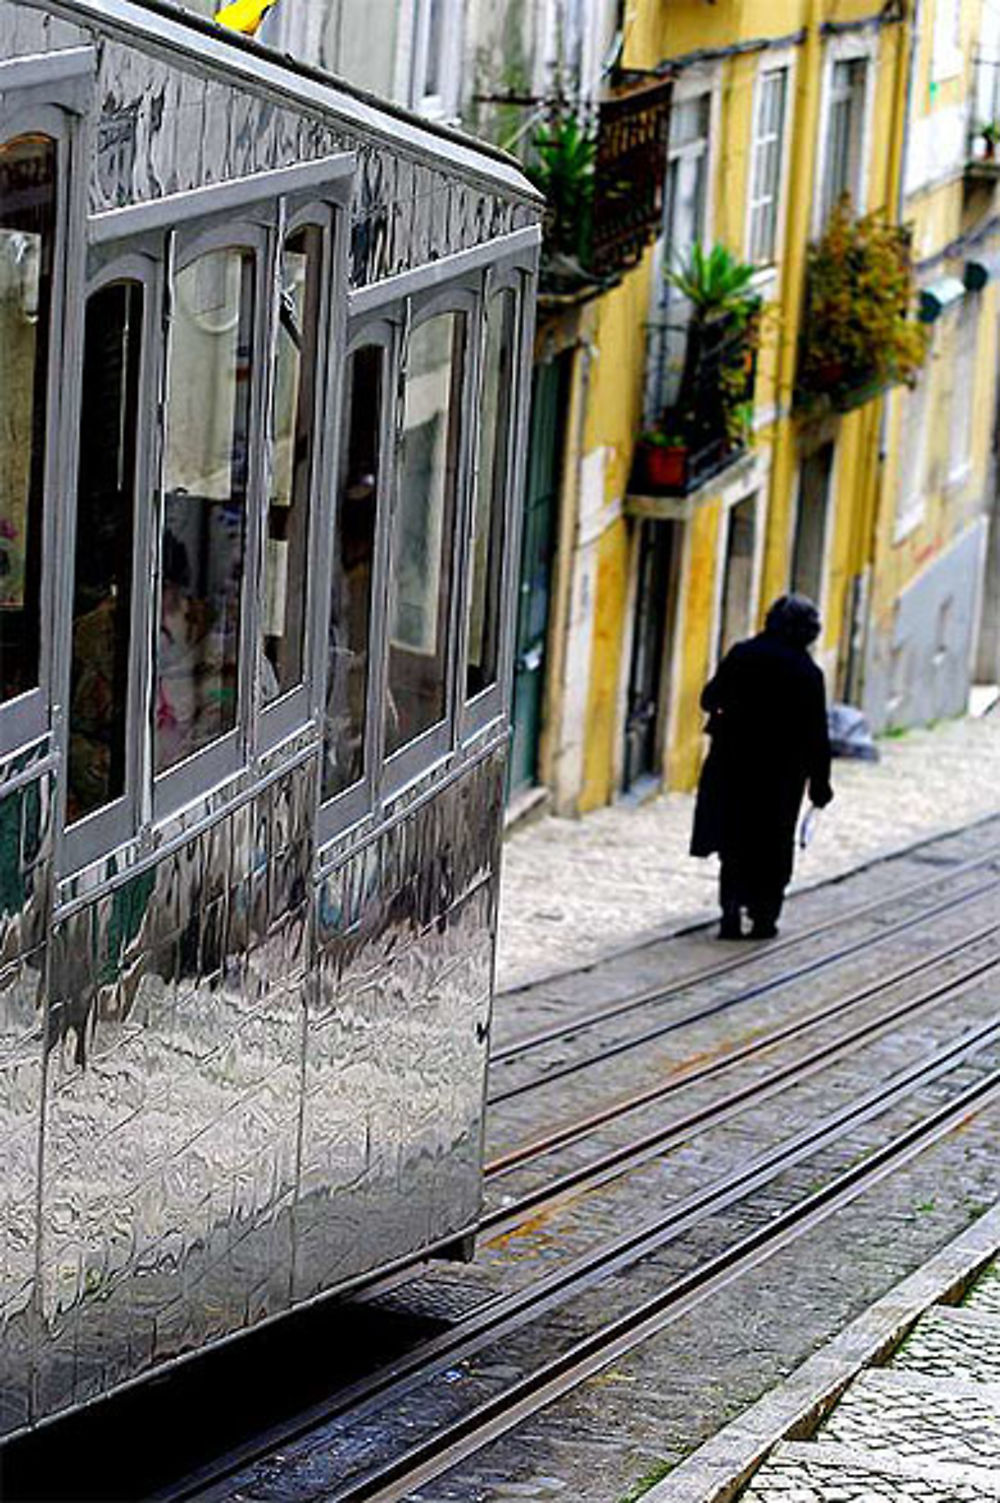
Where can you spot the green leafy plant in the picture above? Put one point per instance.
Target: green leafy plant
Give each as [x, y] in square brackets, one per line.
[858, 333]
[565, 155]
[990, 134]
[658, 438]
[715, 281]
[739, 423]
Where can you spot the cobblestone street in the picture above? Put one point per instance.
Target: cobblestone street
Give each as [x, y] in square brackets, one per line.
[575, 890]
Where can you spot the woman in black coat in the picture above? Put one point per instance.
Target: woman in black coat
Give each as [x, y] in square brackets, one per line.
[767, 723]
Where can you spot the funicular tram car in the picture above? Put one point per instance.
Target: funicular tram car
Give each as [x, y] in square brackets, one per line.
[263, 346]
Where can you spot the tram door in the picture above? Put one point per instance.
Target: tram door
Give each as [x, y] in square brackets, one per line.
[652, 638]
[541, 507]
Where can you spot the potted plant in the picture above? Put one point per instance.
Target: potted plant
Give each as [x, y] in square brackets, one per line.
[662, 460]
[990, 133]
[858, 335]
[739, 425]
[564, 159]
[714, 282]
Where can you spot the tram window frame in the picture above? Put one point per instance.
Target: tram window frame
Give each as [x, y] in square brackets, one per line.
[383, 330]
[85, 839]
[293, 708]
[256, 212]
[223, 756]
[487, 705]
[50, 110]
[416, 757]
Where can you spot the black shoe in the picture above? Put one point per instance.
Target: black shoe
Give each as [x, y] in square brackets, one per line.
[764, 931]
[731, 928]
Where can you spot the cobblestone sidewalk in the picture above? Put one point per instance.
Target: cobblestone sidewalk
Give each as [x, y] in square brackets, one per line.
[902, 1407]
[574, 890]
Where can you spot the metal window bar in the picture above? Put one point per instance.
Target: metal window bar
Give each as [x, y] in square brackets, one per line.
[716, 348]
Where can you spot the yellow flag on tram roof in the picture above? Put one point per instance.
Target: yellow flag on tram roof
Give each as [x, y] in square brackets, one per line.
[244, 15]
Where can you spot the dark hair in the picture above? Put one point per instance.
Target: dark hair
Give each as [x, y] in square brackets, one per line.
[176, 568]
[794, 619]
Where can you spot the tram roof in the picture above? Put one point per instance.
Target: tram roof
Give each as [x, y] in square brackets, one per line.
[167, 24]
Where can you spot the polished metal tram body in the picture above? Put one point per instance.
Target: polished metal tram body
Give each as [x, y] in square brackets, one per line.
[263, 356]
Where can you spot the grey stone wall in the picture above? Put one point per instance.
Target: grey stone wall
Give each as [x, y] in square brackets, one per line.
[919, 668]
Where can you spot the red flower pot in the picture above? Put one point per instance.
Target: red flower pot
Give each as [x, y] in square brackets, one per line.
[666, 468]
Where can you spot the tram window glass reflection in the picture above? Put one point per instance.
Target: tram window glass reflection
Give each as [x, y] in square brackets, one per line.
[102, 588]
[294, 441]
[27, 234]
[420, 573]
[353, 567]
[485, 563]
[204, 521]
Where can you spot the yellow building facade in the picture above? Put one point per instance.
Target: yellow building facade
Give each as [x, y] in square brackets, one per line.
[779, 107]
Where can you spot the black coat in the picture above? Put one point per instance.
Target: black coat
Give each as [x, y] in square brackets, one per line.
[767, 722]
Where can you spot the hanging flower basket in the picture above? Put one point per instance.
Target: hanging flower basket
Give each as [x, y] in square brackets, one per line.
[858, 333]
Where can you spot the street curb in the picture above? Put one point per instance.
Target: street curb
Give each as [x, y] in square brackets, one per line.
[719, 1469]
[705, 918]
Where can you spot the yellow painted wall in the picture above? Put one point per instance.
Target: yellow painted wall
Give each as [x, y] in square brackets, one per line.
[655, 33]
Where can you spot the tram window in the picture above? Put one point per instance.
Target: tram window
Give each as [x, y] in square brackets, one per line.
[294, 441]
[102, 590]
[353, 568]
[486, 558]
[204, 521]
[420, 575]
[27, 234]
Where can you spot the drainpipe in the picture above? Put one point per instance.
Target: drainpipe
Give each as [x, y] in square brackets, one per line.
[800, 198]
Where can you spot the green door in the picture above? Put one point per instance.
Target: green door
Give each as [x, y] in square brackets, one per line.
[545, 445]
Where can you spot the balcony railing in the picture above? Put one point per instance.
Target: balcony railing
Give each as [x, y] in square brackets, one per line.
[603, 212]
[707, 427]
[633, 127]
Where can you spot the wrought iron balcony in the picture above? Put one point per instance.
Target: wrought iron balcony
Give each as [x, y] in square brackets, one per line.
[707, 428]
[633, 126]
[602, 217]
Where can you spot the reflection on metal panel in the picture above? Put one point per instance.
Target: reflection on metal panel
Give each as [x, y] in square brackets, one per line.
[254, 1089]
[162, 130]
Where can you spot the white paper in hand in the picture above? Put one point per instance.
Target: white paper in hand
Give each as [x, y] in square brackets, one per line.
[807, 828]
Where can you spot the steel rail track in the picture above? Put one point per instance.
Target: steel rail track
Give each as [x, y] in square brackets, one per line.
[678, 1080]
[505, 1314]
[530, 1042]
[463, 1438]
[622, 1159]
[746, 994]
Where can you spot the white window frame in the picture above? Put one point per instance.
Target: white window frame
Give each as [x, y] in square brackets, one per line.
[845, 49]
[443, 103]
[693, 83]
[783, 62]
[947, 57]
[911, 420]
[964, 372]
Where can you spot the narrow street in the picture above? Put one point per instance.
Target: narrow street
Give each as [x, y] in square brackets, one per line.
[436, 439]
